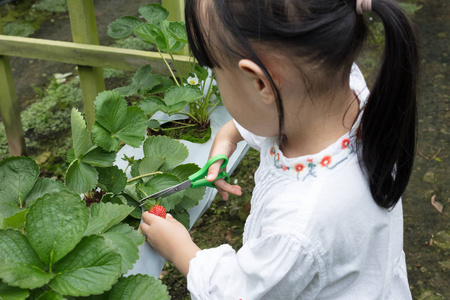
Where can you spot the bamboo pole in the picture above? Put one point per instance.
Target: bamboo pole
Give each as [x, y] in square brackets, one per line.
[9, 108]
[84, 31]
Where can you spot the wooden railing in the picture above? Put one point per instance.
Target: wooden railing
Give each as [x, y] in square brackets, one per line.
[84, 52]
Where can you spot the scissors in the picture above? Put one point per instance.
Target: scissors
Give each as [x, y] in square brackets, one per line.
[195, 180]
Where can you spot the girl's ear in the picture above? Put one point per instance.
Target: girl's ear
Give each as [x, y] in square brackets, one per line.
[260, 81]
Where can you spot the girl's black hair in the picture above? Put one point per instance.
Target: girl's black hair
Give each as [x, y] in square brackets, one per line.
[329, 33]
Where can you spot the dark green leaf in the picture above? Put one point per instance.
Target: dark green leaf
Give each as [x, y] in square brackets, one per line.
[125, 247]
[166, 83]
[81, 177]
[106, 215]
[91, 268]
[104, 138]
[139, 287]
[20, 265]
[151, 105]
[50, 295]
[153, 124]
[55, 225]
[150, 164]
[16, 221]
[110, 110]
[154, 13]
[184, 171]
[127, 90]
[137, 238]
[201, 72]
[178, 31]
[160, 182]
[149, 33]
[44, 186]
[111, 179]
[179, 94]
[12, 293]
[98, 157]
[123, 27]
[17, 177]
[172, 151]
[80, 134]
[135, 129]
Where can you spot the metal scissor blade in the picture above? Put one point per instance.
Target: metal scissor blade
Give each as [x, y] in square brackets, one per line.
[169, 191]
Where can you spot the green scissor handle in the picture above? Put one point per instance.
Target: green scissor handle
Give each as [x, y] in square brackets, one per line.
[198, 178]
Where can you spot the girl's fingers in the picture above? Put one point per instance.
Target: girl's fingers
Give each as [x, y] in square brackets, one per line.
[225, 188]
[214, 170]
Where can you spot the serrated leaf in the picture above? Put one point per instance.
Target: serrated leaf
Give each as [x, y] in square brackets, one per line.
[148, 33]
[153, 124]
[192, 197]
[150, 164]
[81, 177]
[115, 199]
[111, 179]
[165, 84]
[44, 186]
[135, 168]
[160, 182]
[131, 191]
[184, 171]
[172, 151]
[17, 177]
[16, 221]
[70, 155]
[110, 110]
[106, 215]
[12, 293]
[174, 108]
[50, 295]
[151, 105]
[139, 287]
[91, 268]
[182, 217]
[178, 31]
[168, 43]
[179, 94]
[135, 129]
[143, 78]
[55, 225]
[154, 13]
[116, 122]
[123, 27]
[20, 265]
[98, 157]
[137, 238]
[127, 90]
[150, 83]
[80, 134]
[125, 247]
[201, 72]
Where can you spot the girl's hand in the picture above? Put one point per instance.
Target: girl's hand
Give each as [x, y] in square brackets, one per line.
[170, 239]
[225, 143]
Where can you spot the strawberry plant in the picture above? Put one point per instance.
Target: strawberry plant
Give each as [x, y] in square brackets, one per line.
[93, 154]
[53, 246]
[194, 95]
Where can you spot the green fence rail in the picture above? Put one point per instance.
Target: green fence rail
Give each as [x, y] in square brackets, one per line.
[84, 52]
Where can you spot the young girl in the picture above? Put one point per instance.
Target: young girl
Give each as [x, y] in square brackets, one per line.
[326, 216]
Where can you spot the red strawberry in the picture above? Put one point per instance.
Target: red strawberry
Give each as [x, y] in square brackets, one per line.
[159, 211]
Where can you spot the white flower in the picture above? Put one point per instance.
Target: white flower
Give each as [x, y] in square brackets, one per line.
[192, 80]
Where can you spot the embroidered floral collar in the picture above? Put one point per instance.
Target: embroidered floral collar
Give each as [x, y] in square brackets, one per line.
[311, 166]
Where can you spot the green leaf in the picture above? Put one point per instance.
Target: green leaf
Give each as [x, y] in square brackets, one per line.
[153, 124]
[166, 82]
[12, 293]
[179, 94]
[149, 33]
[144, 80]
[174, 108]
[137, 238]
[125, 247]
[135, 168]
[98, 157]
[16, 221]
[151, 105]
[191, 197]
[106, 215]
[80, 134]
[81, 177]
[172, 151]
[201, 72]
[44, 186]
[135, 129]
[131, 191]
[17, 177]
[50, 295]
[184, 171]
[154, 13]
[111, 179]
[20, 265]
[116, 122]
[149, 84]
[70, 155]
[178, 31]
[55, 225]
[139, 287]
[160, 182]
[127, 90]
[150, 164]
[91, 268]
[168, 43]
[123, 27]
[110, 110]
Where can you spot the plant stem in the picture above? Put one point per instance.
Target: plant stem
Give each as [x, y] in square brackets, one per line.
[167, 64]
[188, 125]
[176, 66]
[142, 191]
[142, 176]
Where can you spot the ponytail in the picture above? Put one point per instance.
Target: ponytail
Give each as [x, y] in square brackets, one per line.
[388, 125]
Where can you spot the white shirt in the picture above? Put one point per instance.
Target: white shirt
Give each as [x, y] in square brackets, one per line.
[314, 232]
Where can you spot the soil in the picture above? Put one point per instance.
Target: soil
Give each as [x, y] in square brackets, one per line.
[426, 226]
[184, 129]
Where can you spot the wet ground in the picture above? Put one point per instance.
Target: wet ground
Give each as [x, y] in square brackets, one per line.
[426, 202]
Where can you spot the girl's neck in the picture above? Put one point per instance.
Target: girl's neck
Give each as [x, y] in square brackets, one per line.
[319, 122]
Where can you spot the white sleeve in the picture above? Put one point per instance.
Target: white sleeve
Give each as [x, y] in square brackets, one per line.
[254, 141]
[272, 267]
